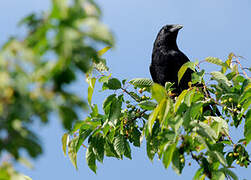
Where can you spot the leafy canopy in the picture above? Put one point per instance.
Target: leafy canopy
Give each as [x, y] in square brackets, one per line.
[175, 129]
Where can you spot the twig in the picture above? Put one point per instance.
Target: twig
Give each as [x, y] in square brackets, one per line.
[242, 68]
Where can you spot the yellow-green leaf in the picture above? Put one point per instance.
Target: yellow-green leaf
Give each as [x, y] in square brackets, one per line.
[180, 100]
[158, 92]
[91, 82]
[103, 51]
[64, 142]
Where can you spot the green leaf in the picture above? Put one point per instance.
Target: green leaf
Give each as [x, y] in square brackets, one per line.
[168, 154]
[197, 77]
[184, 68]
[158, 92]
[230, 173]
[219, 156]
[119, 145]
[113, 84]
[215, 60]
[196, 109]
[198, 174]
[141, 82]
[180, 100]
[221, 79]
[136, 137]
[218, 175]
[82, 136]
[91, 82]
[247, 126]
[103, 51]
[103, 79]
[98, 144]
[127, 152]
[147, 105]
[176, 164]
[109, 150]
[64, 142]
[153, 116]
[91, 159]
[246, 95]
[204, 130]
[72, 151]
[222, 125]
[107, 103]
[189, 97]
[115, 111]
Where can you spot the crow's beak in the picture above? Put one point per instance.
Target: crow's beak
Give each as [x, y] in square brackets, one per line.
[176, 27]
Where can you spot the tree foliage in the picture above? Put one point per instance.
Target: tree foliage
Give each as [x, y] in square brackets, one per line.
[175, 129]
[35, 71]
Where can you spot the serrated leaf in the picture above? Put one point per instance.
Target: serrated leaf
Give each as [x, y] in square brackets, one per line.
[127, 152]
[109, 150]
[204, 130]
[98, 144]
[189, 97]
[64, 142]
[82, 136]
[180, 100]
[222, 127]
[221, 79]
[147, 105]
[91, 159]
[115, 111]
[141, 82]
[168, 154]
[158, 92]
[136, 137]
[219, 156]
[107, 103]
[72, 151]
[184, 68]
[229, 173]
[246, 95]
[119, 145]
[247, 126]
[197, 77]
[215, 60]
[153, 116]
[176, 164]
[113, 84]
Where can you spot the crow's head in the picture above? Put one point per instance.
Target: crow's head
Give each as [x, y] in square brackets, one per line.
[168, 35]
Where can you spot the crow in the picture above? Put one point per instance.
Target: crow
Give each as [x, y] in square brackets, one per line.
[167, 59]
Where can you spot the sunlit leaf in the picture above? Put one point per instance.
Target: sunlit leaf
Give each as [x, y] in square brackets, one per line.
[103, 51]
[247, 126]
[141, 82]
[64, 142]
[72, 151]
[91, 82]
[184, 68]
[147, 105]
[158, 92]
[168, 154]
[91, 159]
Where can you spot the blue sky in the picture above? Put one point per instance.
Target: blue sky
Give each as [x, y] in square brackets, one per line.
[211, 28]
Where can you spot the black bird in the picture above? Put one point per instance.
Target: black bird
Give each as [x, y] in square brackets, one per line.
[167, 59]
